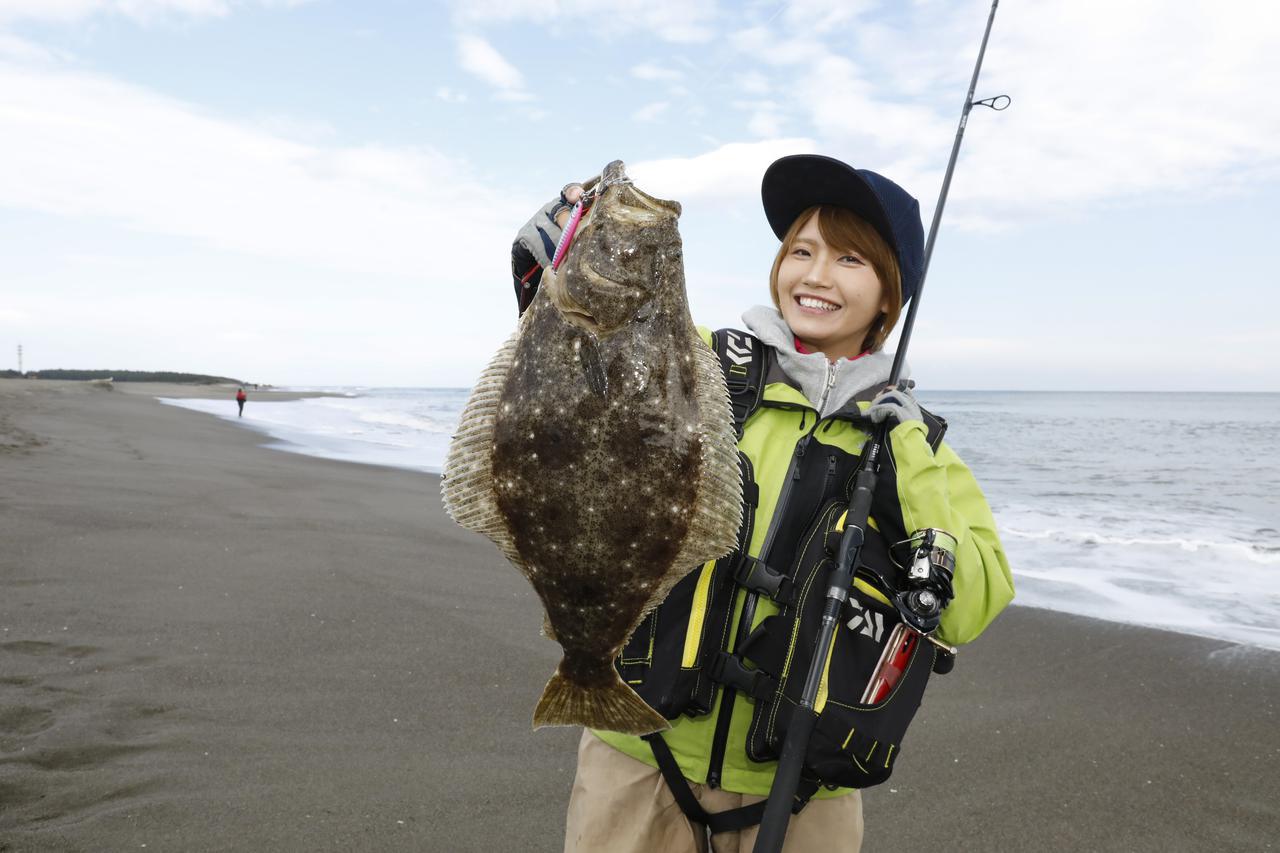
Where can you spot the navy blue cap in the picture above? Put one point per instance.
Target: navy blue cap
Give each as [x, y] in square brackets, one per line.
[794, 184]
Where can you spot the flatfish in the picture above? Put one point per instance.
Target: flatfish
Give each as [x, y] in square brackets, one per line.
[597, 449]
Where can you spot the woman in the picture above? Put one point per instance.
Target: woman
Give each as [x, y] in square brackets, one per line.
[850, 259]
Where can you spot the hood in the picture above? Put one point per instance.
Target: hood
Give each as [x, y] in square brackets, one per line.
[809, 372]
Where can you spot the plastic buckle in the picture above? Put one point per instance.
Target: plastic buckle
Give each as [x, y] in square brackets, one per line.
[729, 671]
[758, 577]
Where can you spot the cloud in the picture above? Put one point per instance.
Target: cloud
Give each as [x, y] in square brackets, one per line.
[451, 96]
[825, 16]
[85, 146]
[652, 71]
[1109, 104]
[479, 58]
[70, 11]
[728, 174]
[12, 47]
[1163, 99]
[676, 21]
[766, 117]
[650, 112]
[752, 83]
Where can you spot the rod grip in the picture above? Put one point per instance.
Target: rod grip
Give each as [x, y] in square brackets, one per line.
[777, 811]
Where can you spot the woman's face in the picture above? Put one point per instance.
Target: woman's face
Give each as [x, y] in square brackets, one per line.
[828, 297]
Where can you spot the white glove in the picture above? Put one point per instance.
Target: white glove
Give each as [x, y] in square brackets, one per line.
[895, 404]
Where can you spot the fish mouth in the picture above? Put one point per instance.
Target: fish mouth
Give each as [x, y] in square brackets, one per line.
[605, 292]
[582, 320]
[610, 286]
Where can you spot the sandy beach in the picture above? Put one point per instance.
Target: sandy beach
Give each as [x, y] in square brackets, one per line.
[208, 645]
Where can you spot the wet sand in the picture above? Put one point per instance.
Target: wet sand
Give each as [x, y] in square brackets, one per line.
[209, 645]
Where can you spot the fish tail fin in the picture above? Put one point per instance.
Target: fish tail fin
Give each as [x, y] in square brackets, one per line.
[615, 707]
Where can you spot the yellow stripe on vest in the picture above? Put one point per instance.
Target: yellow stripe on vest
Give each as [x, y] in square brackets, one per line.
[697, 613]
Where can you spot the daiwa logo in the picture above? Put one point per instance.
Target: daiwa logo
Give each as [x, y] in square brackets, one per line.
[866, 622]
[738, 348]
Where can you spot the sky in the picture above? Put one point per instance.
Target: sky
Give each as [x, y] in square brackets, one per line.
[324, 192]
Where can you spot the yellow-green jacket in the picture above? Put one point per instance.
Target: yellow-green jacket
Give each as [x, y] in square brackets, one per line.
[816, 415]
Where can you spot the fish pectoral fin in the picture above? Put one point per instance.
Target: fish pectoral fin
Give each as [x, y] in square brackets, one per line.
[613, 707]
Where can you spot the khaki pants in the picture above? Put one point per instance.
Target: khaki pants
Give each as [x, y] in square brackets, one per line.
[621, 805]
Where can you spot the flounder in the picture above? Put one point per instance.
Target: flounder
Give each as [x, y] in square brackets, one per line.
[597, 449]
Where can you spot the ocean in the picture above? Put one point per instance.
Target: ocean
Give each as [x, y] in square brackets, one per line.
[1155, 509]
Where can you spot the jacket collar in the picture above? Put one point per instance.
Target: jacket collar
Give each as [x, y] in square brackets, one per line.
[808, 373]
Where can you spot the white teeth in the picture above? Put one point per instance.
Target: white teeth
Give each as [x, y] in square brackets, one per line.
[821, 304]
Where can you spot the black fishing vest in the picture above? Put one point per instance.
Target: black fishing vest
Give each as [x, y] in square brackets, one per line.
[851, 747]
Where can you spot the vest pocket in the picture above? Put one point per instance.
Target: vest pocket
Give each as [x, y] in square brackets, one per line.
[665, 661]
[854, 744]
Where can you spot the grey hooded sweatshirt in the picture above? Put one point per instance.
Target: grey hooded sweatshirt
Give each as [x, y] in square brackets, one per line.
[828, 385]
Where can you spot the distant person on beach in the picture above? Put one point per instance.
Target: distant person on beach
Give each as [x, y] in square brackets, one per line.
[536, 243]
[240, 398]
[850, 257]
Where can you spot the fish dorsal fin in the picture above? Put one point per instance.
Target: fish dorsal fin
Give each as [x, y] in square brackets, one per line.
[717, 510]
[467, 485]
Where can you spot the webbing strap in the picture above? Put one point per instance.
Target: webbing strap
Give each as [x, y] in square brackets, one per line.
[732, 820]
[726, 821]
[742, 357]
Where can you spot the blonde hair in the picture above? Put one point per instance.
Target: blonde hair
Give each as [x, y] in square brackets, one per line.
[845, 231]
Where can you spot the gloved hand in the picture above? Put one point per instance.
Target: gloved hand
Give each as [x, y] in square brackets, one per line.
[895, 404]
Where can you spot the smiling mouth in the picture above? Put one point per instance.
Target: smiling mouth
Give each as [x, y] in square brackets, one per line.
[816, 304]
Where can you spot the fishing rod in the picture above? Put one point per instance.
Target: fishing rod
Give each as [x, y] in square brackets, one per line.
[786, 781]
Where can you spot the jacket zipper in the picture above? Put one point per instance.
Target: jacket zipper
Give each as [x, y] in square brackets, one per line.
[826, 391]
[831, 473]
[729, 695]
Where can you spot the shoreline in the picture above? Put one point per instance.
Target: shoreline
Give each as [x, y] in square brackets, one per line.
[292, 442]
[207, 644]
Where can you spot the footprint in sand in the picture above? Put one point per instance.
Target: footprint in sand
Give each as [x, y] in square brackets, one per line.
[57, 722]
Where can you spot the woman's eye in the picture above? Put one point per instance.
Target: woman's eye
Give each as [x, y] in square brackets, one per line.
[800, 253]
[851, 259]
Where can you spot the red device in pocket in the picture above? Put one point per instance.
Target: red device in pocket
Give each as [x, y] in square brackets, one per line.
[893, 662]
